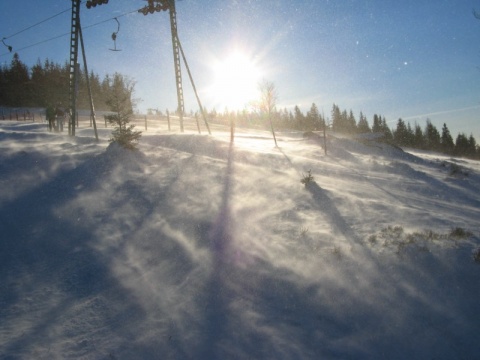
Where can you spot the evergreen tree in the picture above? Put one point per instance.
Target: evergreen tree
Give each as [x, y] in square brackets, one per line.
[312, 120]
[446, 140]
[400, 135]
[121, 103]
[343, 122]
[38, 79]
[377, 124]
[472, 146]
[363, 126]
[386, 130]
[299, 118]
[351, 124]
[336, 118]
[410, 135]
[18, 79]
[461, 145]
[418, 137]
[432, 137]
[3, 85]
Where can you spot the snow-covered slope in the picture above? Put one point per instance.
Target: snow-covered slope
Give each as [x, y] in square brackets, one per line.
[193, 248]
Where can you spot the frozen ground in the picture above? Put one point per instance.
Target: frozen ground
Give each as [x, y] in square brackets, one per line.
[195, 249]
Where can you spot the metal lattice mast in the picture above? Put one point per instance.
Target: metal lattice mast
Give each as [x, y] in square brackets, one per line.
[176, 59]
[73, 65]
[90, 97]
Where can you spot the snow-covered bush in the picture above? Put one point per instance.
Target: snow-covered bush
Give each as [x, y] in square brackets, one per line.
[124, 134]
[458, 171]
[308, 178]
[476, 255]
[459, 232]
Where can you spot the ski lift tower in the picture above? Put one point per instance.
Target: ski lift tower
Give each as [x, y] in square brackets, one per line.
[75, 37]
[164, 5]
[74, 33]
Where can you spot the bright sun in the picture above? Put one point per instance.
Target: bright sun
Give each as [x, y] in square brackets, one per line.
[235, 81]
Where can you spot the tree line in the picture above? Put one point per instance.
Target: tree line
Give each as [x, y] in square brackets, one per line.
[343, 121]
[47, 84]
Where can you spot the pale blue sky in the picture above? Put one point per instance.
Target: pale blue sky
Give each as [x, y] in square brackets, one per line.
[409, 59]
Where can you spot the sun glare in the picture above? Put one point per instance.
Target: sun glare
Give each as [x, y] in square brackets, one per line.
[235, 81]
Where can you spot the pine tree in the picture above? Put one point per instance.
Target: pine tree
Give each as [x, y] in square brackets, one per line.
[3, 85]
[418, 137]
[299, 118]
[18, 79]
[377, 124]
[432, 137]
[363, 126]
[351, 124]
[343, 122]
[400, 135]
[121, 103]
[446, 140]
[461, 145]
[386, 130]
[312, 119]
[472, 146]
[410, 135]
[336, 118]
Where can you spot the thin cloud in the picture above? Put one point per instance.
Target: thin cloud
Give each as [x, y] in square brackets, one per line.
[442, 112]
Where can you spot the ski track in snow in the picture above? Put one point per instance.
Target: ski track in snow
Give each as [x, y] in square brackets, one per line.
[195, 248]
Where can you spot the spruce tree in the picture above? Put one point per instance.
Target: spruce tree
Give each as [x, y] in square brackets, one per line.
[336, 118]
[446, 140]
[472, 146]
[18, 78]
[400, 135]
[461, 145]
[432, 137]
[121, 103]
[377, 124]
[351, 125]
[363, 126]
[410, 135]
[299, 118]
[386, 130]
[313, 119]
[418, 137]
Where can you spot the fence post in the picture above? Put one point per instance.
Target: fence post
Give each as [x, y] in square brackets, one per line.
[168, 120]
[198, 125]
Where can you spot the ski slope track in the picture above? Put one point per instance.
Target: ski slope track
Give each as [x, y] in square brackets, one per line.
[196, 248]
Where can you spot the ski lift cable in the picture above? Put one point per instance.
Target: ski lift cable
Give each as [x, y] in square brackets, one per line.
[38, 43]
[68, 33]
[36, 24]
[110, 19]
